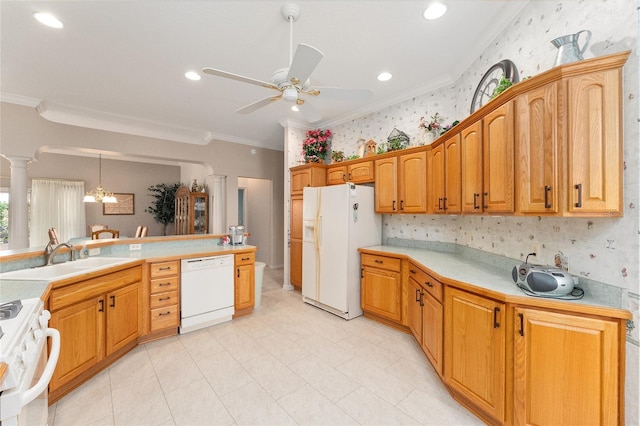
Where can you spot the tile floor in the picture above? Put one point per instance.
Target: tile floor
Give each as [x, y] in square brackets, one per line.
[288, 363]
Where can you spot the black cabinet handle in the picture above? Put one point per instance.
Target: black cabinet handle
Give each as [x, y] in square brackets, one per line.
[439, 203]
[521, 331]
[349, 176]
[162, 299]
[421, 298]
[393, 207]
[485, 195]
[401, 204]
[428, 284]
[496, 324]
[579, 188]
[417, 295]
[166, 268]
[378, 261]
[344, 177]
[475, 201]
[101, 302]
[238, 274]
[413, 271]
[113, 302]
[161, 314]
[361, 272]
[444, 203]
[246, 258]
[547, 190]
[163, 284]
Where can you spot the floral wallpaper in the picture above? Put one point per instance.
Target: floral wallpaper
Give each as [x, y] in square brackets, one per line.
[605, 250]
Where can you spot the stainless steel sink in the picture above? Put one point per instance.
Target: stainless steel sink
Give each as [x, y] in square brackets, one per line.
[64, 270]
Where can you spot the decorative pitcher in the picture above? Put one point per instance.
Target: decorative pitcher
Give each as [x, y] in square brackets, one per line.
[568, 49]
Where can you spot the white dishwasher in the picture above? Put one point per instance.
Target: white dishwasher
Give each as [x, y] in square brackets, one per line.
[206, 292]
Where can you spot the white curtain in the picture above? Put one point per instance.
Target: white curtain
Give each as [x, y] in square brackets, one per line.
[56, 203]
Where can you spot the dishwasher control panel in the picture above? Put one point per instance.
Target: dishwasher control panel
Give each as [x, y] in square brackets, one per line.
[207, 262]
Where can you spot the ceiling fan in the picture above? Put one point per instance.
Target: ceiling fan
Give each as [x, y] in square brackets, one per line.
[292, 83]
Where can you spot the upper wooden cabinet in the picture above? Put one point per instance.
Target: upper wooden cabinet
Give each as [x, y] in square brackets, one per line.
[445, 176]
[497, 160]
[358, 172]
[401, 183]
[536, 151]
[386, 186]
[307, 175]
[594, 142]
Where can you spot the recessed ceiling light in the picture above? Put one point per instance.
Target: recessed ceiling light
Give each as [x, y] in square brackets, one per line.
[384, 76]
[192, 75]
[434, 11]
[48, 20]
[295, 108]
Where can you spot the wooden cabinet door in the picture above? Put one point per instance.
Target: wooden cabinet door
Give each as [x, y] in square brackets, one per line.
[559, 354]
[432, 329]
[361, 172]
[381, 293]
[386, 186]
[336, 175]
[414, 308]
[452, 175]
[81, 328]
[123, 317]
[437, 192]
[474, 360]
[498, 158]
[244, 287]
[594, 145]
[296, 217]
[300, 179]
[471, 169]
[412, 182]
[536, 150]
[295, 252]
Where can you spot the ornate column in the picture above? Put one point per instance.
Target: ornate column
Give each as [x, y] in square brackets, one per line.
[18, 214]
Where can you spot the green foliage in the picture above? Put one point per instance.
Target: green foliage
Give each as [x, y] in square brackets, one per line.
[353, 157]
[163, 208]
[4, 221]
[503, 85]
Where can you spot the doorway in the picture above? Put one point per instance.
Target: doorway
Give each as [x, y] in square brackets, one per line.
[255, 200]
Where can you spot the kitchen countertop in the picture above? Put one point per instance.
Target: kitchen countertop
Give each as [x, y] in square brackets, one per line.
[457, 270]
[26, 289]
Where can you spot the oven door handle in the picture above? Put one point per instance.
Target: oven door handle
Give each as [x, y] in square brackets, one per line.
[33, 392]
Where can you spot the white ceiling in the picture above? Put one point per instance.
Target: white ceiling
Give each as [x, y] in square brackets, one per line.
[120, 65]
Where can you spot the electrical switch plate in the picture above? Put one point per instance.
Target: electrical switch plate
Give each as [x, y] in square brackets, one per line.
[94, 251]
[135, 247]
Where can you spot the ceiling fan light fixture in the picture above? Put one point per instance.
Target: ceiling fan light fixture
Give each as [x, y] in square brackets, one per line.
[434, 11]
[290, 94]
[48, 19]
[384, 76]
[295, 108]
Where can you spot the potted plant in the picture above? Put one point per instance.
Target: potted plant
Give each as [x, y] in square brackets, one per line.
[163, 208]
[337, 156]
[316, 145]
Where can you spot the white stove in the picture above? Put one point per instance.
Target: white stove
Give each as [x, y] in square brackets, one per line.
[23, 337]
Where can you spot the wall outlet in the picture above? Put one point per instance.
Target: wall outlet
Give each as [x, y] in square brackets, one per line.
[94, 251]
[534, 248]
[135, 247]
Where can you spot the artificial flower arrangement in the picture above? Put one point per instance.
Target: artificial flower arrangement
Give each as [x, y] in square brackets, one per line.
[432, 126]
[316, 146]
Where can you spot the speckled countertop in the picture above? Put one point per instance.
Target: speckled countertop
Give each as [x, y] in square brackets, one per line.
[454, 268]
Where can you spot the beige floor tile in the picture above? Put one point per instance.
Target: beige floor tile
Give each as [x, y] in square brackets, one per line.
[200, 344]
[88, 403]
[326, 379]
[223, 372]
[367, 351]
[131, 368]
[283, 348]
[197, 404]
[429, 409]
[326, 350]
[308, 407]
[274, 376]
[369, 409]
[141, 403]
[252, 405]
[377, 380]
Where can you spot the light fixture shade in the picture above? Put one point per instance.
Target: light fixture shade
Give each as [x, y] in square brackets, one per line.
[89, 198]
[99, 195]
[290, 94]
[109, 199]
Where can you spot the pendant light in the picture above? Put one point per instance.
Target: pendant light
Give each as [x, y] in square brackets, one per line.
[99, 195]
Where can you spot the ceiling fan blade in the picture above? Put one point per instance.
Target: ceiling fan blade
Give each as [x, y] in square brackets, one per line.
[309, 112]
[305, 60]
[340, 93]
[237, 77]
[259, 104]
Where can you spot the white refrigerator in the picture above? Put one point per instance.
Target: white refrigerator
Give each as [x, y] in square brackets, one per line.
[337, 220]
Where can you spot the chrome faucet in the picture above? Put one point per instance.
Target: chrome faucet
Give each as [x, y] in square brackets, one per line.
[51, 250]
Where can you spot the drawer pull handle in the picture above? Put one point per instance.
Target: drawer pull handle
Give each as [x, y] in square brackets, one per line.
[162, 299]
[579, 188]
[401, 204]
[475, 201]
[417, 295]
[246, 258]
[378, 261]
[101, 305]
[428, 283]
[413, 271]
[485, 195]
[393, 207]
[165, 268]
[113, 302]
[547, 190]
[439, 203]
[444, 203]
[521, 331]
[161, 314]
[496, 324]
[163, 284]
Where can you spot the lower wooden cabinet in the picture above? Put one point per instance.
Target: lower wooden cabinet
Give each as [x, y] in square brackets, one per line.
[244, 291]
[164, 297]
[98, 319]
[381, 287]
[565, 369]
[474, 351]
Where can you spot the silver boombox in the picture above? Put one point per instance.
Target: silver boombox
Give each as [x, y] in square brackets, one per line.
[546, 281]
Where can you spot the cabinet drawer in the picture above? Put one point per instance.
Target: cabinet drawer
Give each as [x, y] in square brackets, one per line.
[245, 258]
[164, 269]
[382, 262]
[165, 317]
[163, 299]
[163, 285]
[433, 286]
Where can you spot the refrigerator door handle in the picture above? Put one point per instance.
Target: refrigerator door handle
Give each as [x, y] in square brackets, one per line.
[318, 233]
